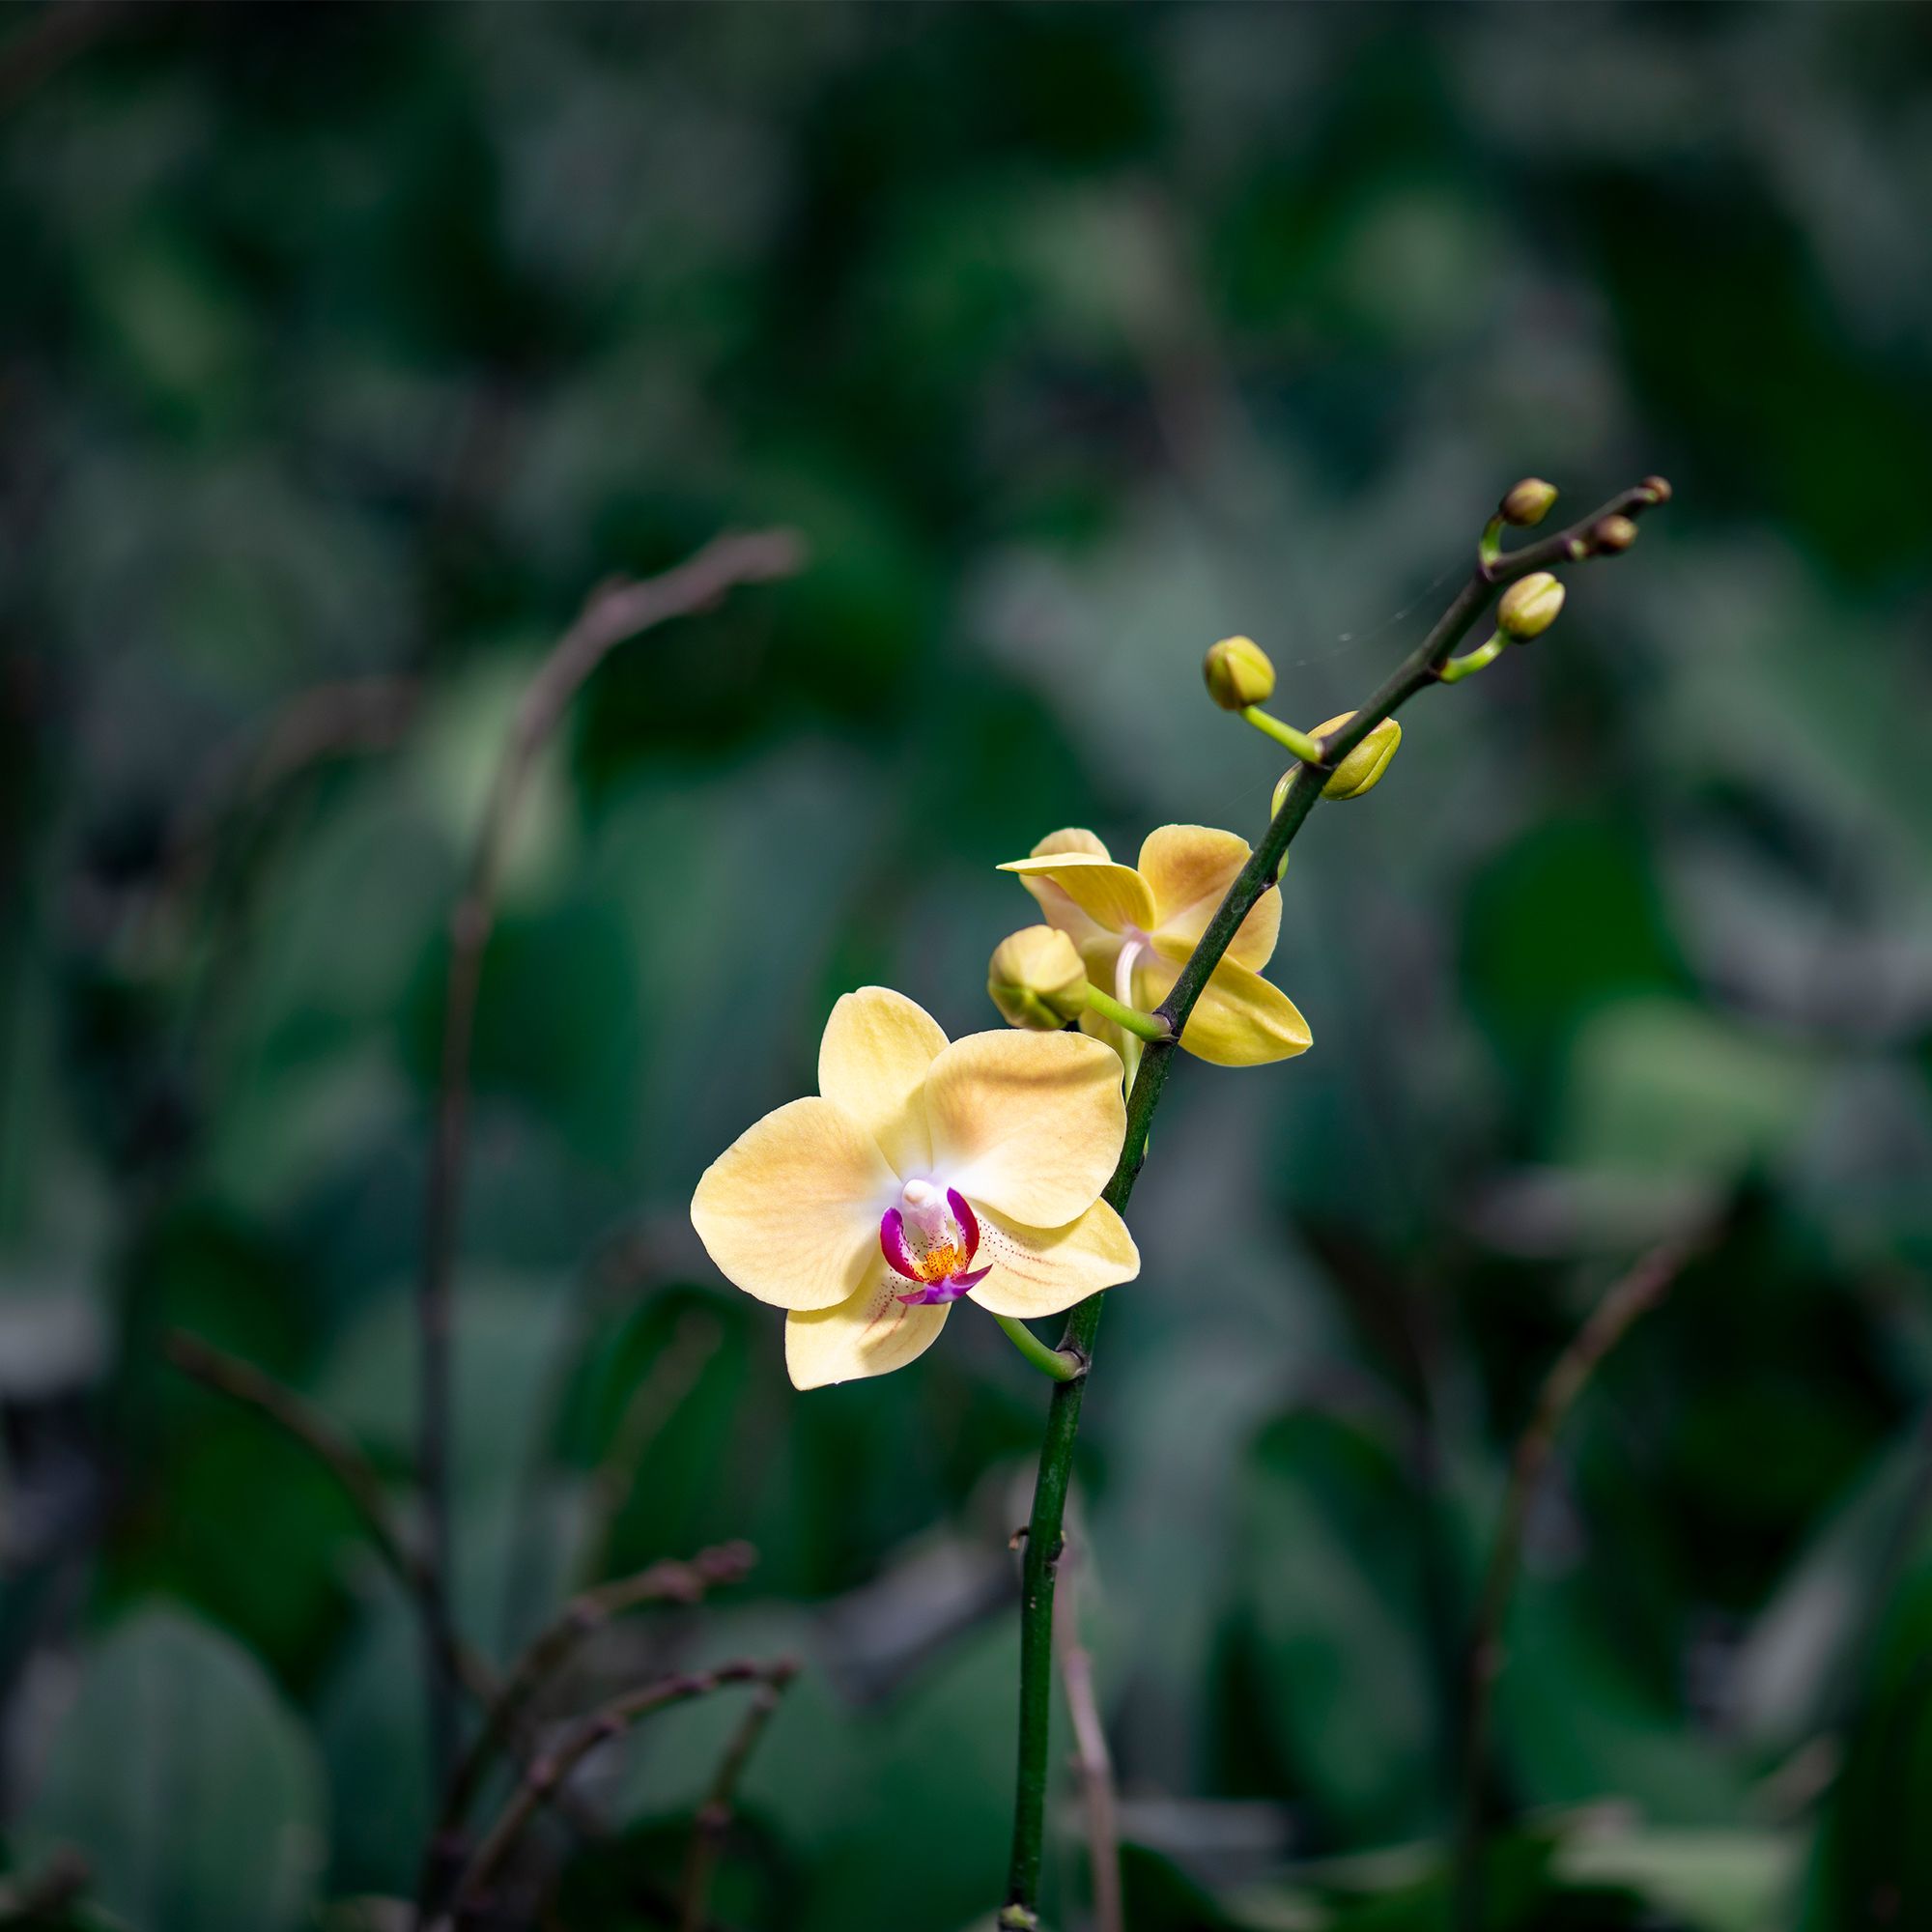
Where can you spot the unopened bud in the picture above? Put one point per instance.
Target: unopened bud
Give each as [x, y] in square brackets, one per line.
[1361, 770]
[1238, 673]
[1036, 980]
[1529, 606]
[1528, 502]
[1659, 487]
[1614, 533]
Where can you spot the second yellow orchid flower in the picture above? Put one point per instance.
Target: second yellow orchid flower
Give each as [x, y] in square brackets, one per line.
[1136, 926]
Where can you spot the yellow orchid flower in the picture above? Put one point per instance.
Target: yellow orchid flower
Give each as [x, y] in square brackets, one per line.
[922, 1171]
[1135, 927]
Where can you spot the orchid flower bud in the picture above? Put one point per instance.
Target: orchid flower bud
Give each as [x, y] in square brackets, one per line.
[1528, 502]
[1362, 770]
[1529, 606]
[1614, 533]
[1238, 673]
[1036, 980]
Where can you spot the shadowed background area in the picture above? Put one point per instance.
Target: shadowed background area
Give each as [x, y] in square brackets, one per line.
[342, 351]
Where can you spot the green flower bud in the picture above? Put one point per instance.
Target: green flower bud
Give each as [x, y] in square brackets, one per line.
[1528, 502]
[1360, 771]
[1659, 487]
[1363, 768]
[1036, 980]
[1238, 673]
[1614, 533]
[1529, 606]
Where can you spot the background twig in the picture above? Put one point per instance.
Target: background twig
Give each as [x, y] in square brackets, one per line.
[670, 1583]
[1091, 1759]
[613, 614]
[302, 1422]
[1609, 1321]
[713, 1823]
[549, 1773]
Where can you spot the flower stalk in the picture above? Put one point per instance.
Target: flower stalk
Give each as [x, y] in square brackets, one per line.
[1061, 1364]
[1020, 1910]
[1143, 1025]
[1308, 750]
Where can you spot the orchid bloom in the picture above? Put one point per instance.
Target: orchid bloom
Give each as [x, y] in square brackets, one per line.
[922, 1172]
[1135, 927]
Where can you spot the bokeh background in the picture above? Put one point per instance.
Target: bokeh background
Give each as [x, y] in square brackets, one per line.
[342, 350]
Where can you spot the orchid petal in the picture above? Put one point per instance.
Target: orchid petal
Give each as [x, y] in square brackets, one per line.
[1071, 839]
[1114, 896]
[1044, 1270]
[1054, 906]
[968, 1222]
[1239, 1020]
[789, 1212]
[870, 1334]
[1030, 1123]
[871, 1064]
[892, 1244]
[1188, 869]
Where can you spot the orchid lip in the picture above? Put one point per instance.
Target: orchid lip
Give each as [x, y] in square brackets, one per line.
[943, 1270]
[950, 1289]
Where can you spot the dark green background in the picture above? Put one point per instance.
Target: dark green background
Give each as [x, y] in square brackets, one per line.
[358, 344]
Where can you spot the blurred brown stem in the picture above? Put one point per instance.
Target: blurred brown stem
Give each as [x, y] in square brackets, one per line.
[1091, 1759]
[44, 1896]
[356, 1476]
[713, 1823]
[657, 1397]
[549, 1773]
[613, 614]
[668, 1582]
[1609, 1321]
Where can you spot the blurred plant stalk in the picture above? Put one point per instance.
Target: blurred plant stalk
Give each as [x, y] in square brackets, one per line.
[616, 613]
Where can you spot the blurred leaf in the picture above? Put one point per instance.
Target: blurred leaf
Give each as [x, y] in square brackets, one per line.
[370, 1725]
[1706, 1880]
[1577, 1718]
[192, 1788]
[1333, 1608]
[1662, 1086]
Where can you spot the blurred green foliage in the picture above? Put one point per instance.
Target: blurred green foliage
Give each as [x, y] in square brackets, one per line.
[342, 349]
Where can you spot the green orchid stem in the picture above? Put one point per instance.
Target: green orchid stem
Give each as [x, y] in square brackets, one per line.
[1471, 661]
[1145, 1026]
[1491, 546]
[1044, 1534]
[1061, 1364]
[1308, 750]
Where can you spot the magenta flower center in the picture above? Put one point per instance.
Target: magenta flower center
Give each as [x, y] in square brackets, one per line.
[931, 1247]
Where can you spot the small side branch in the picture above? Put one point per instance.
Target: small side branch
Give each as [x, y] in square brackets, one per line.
[713, 1825]
[547, 1774]
[552, 1647]
[1628, 1301]
[616, 613]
